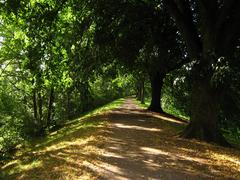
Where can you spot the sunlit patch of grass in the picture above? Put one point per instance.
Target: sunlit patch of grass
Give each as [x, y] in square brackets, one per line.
[145, 105]
[21, 166]
[56, 155]
[173, 112]
[181, 124]
[77, 124]
[103, 108]
[232, 138]
[177, 113]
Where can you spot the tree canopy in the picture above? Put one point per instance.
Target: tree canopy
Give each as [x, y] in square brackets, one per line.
[61, 58]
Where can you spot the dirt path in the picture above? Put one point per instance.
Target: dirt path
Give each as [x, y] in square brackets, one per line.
[143, 145]
[126, 143]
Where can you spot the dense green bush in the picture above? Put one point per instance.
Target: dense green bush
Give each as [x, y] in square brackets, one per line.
[176, 93]
[17, 122]
[11, 123]
[10, 136]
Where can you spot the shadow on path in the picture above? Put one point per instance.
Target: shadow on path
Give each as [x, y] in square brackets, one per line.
[135, 144]
[144, 145]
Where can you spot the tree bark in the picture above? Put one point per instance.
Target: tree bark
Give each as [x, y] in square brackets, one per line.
[50, 106]
[85, 97]
[40, 103]
[182, 13]
[68, 108]
[138, 94]
[142, 90]
[156, 85]
[41, 128]
[204, 112]
[35, 111]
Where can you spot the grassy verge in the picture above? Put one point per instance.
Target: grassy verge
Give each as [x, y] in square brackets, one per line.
[145, 105]
[81, 121]
[168, 111]
[233, 138]
[33, 155]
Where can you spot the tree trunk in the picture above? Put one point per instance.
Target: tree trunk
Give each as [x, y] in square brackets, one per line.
[41, 128]
[138, 95]
[50, 106]
[68, 104]
[204, 113]
[40, 103]
[156, 85]
[35, 111]
[85, 97]
[142, 90]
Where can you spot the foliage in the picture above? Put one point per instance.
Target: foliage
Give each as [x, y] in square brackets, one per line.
[176, 95]
[49, 73]
[12, 117]
[76, 132]
[60, 59]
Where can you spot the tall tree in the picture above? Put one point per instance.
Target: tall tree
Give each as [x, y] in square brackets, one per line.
[141, 35]
[211, 30]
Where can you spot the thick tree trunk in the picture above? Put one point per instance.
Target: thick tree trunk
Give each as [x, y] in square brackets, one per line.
[156, 85]
[50, 106]
[204, 113]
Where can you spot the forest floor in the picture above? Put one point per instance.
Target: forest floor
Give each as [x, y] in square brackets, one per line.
[127, 142]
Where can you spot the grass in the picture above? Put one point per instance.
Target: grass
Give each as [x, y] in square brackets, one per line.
[173, 112]
[75, 151]
[44, 152]
[231, 137]
[145, 105]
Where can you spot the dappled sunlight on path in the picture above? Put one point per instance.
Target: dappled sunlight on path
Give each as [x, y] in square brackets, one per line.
[143, 145]
[126, 143]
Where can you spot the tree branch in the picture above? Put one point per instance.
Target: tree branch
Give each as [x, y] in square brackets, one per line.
[223, 13]
[181, 11]
[228, 26]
